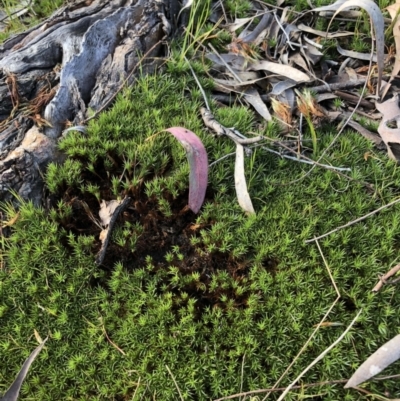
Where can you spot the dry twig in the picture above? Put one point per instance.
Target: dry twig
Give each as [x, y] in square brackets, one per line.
[383, 279]
[350, 223]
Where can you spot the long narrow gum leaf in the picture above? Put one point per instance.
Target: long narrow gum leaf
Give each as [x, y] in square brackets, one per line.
[198, 162]
[242, 194]
[377, 21]
[379, 360]
[13, 392]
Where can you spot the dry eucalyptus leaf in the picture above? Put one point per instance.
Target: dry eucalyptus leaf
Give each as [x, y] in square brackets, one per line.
[284, 70]
[253, 97]
[329, 35]
[233, 60]
[107, 210]
[280, 87]
[393, 11]
[377, 21]
[357, 55]
[379, 360]
[298, 59]
[238, 23]
[13, 392]
[240, 182]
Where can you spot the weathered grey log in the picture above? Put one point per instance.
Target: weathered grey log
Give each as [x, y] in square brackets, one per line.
[78, 58]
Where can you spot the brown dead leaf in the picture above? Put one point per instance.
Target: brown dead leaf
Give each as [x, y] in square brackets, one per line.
[282, 111]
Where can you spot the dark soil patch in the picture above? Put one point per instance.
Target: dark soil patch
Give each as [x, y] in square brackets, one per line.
[160, 235]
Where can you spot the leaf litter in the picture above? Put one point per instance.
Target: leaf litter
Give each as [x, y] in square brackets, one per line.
[277, 63]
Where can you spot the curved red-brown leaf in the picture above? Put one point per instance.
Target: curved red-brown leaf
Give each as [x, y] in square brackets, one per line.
[198, 162]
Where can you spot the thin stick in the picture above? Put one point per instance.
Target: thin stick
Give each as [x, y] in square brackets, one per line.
[274, 390]
[176, 384]
[318, 325]
[350, 223]
[283, 30]
[328, 269]
[136, 390]
[319, 357]
[111, 342]
[383, 279]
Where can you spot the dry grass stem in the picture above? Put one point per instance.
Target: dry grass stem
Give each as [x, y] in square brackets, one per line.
[350, 223]
[319, 357]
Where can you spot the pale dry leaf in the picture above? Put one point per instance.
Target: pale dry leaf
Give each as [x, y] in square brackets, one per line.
[240, 182]
[356, 55]
[103, 235]
[12, 221]
[378, 23]
[37, 336]
[329, 35]
[379, 360]
[13, 392]
[391, 136]
[280, 69]
[107, 210]
[188, 4]
[313, 54]
[251, 76]
[253, 97]
[280, 87]
[238, 23]
[394, 13]
[298, 59]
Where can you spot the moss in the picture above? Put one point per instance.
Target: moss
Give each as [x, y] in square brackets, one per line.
[36, 12]
[220, 289]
